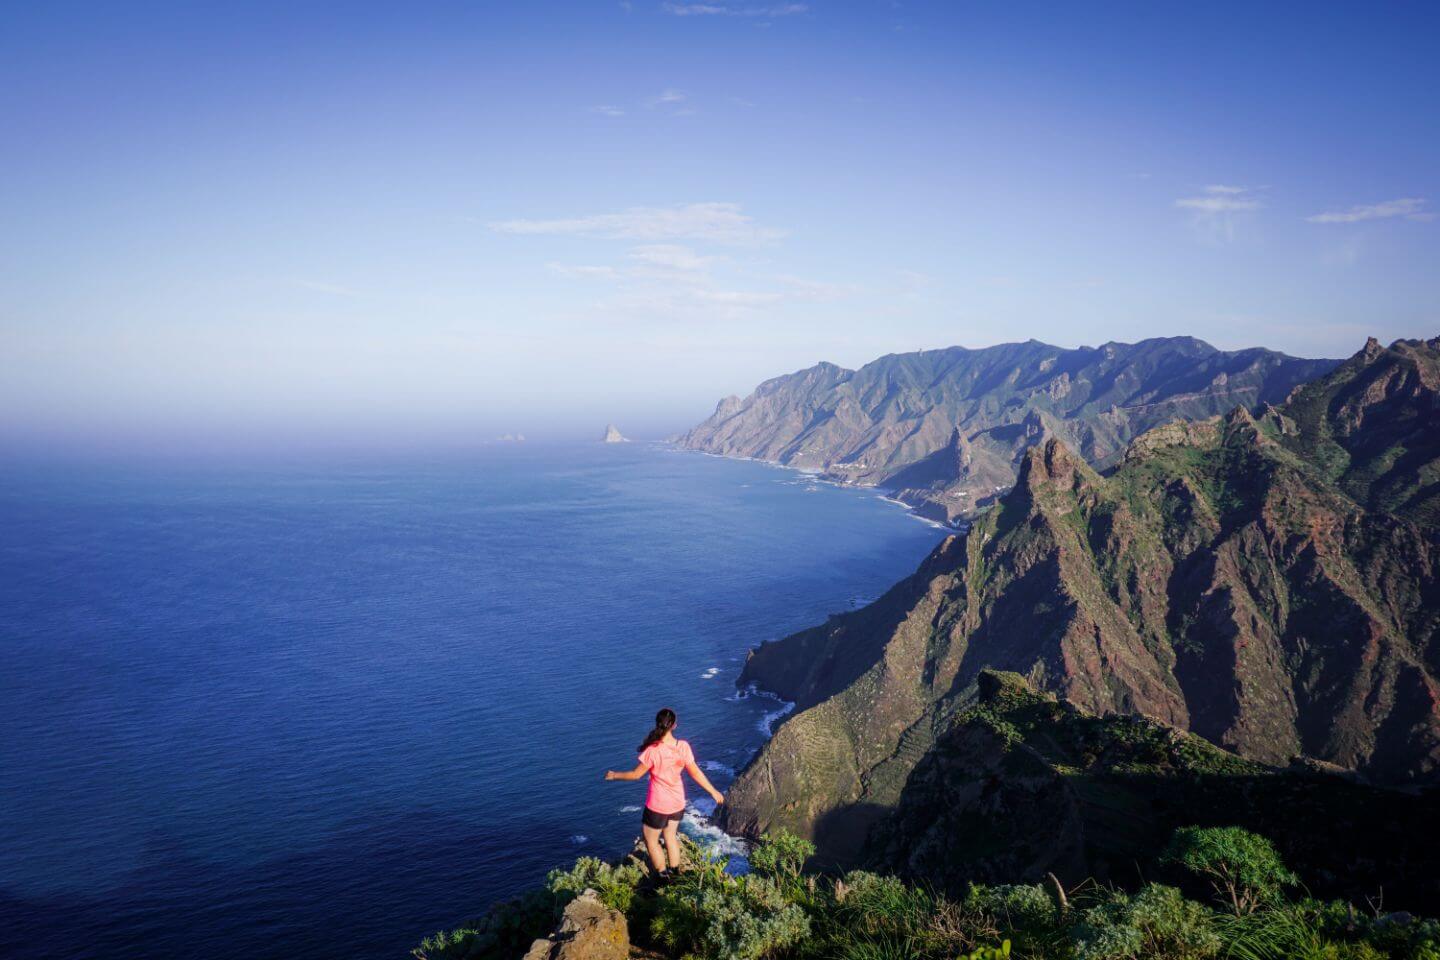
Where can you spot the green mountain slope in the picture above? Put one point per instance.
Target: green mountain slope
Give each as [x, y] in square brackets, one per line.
[1271, 585]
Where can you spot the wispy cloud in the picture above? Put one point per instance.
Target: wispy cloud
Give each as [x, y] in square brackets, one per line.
[1218, 209]
[608, 110]
[671, 256]
[1219, 198]
[713, 222]
[1411, 208]
[576, 272]
[666, 97]
[733, 10]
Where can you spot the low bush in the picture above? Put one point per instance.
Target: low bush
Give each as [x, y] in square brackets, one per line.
[781, 854]
[1157, 923]
[728, 918]
[615, 884]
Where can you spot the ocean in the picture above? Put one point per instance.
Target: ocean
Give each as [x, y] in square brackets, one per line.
[324, 707]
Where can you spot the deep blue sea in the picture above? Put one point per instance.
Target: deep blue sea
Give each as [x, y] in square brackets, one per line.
[323, 708]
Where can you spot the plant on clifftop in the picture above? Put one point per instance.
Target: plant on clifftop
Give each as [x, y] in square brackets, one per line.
[615, 884]
[1242, 868]
[710, 914]
[1157, 923]
[780, 854]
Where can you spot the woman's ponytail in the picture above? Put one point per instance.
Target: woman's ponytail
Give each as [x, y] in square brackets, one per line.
[664, 723]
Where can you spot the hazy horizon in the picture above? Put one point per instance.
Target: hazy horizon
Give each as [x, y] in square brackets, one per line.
[439, 224]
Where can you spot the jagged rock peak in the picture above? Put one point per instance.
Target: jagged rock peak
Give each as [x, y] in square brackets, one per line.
[1053, 464]
[613, 435]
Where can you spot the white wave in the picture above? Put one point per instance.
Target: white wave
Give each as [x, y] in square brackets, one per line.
[579, 838]
[768, 721]
[715, 766]
[710, 673]
[697, 827]
[632, 808]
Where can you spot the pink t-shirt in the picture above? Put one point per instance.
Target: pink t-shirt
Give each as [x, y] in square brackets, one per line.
[666, 762]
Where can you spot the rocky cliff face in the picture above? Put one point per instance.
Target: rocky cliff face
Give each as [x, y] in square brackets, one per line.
[948, 428]
[1270, 584]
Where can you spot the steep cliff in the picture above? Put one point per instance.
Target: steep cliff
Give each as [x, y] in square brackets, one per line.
[1271, 585]
[947, 428]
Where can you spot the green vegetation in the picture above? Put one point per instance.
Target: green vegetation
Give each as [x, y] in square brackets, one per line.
[779, 911]
[1244, 869]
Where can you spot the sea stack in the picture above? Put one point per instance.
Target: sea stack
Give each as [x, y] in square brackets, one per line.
[612, 435]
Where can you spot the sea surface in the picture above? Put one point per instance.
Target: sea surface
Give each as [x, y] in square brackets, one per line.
[322, 708]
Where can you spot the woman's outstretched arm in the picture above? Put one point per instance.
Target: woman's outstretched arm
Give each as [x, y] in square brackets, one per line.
[639, 771]
[699, 777]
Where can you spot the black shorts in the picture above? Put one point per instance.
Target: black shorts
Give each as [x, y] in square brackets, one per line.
[658, 821]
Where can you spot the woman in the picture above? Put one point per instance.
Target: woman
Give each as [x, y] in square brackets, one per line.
[665, 758]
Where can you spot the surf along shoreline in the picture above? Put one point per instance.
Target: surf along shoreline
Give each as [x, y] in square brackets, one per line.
[698, 822]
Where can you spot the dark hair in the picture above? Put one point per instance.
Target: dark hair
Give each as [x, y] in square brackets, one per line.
[664, 723]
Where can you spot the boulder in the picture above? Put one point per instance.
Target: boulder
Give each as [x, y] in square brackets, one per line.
[589, 930]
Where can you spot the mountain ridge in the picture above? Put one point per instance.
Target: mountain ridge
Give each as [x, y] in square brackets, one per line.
[1270, 583]
[876, 425]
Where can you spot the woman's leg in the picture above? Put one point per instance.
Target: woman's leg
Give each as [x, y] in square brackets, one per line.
[652, 846]
[672, 843]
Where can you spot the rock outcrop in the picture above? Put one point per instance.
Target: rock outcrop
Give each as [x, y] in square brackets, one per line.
[613, 435]
[588, 930]
[1271, 584]
[947, 429]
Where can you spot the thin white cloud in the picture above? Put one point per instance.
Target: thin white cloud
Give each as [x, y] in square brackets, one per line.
[1219, 208]
[1217, 204]
[667, 96]
[1411, 208]
[671, 256]
[712, 222]
[732, 10]
[1220, 198]
[608, 110]
[575, 272]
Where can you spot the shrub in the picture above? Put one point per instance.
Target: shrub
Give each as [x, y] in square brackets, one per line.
[1242, 868]
[615, 885]
[1001, 952]
[1158, 923]
[876, 917]
[728, 918]
[781, 854]
[1016, 906]
[875, 904]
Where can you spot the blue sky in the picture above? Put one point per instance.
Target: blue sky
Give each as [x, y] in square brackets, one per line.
[460, 219]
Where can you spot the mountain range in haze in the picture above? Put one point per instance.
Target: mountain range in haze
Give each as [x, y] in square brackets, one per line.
[946, 430]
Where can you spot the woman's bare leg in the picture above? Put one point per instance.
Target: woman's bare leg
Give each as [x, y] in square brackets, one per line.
[652, 847]
[672, 843]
